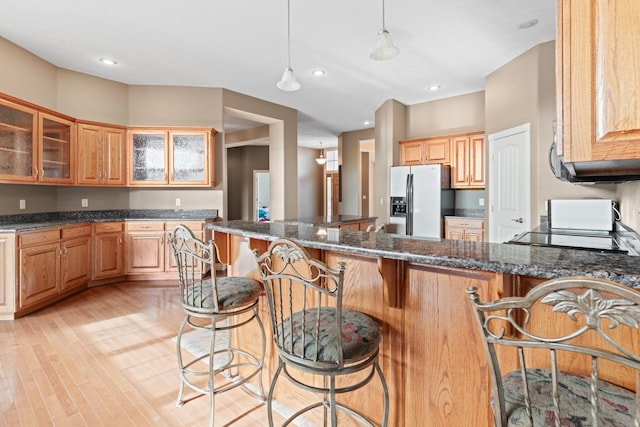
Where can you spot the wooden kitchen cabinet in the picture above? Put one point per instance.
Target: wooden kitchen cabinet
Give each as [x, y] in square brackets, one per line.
[598, 85]
[467, 166]
[76, 261]
[108, 250]
[101, 154]
[425, 151]
[52, 261]
[7, 275]
[471, 229]
[35, 145]
[56, 144]
[171, 157]
[18, 142]
[149, 253]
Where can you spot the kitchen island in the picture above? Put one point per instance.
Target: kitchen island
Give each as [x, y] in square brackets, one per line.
[415, 288]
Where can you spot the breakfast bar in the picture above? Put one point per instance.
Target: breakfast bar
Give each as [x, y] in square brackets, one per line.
[415, 288]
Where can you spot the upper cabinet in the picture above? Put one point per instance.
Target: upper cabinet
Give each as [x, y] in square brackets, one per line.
[425, 151]
[35, 146]
[171, 157]
[101, 154]
[467, 166]
[18, 142]
[57, 140]
[598, 84]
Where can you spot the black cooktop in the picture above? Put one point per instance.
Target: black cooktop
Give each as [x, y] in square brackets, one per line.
[594, 241]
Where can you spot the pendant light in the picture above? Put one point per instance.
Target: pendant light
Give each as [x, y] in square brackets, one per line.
[384, 45]
[288, 81]
[322, 159]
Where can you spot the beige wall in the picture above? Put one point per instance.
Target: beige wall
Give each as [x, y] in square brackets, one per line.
[26, 76]
[523, 91]
[391, 119]
[457, 114]
[310, 184]
[351, 180]
[92, 98]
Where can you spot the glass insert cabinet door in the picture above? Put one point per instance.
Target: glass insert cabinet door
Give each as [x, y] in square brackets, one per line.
[55, 149]
[149, 157]
[18, 130]
[189, 158]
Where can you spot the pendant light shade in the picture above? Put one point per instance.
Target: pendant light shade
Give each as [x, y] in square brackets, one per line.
[288, 82]
[384, 45]
[322, 159]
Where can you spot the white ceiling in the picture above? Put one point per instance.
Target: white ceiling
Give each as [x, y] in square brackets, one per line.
[241, 45]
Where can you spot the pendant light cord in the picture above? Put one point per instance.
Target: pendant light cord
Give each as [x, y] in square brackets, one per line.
[289, 33]
[383, 24]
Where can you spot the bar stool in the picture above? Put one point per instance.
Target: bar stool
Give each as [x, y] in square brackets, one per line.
[218, 306]
[313, 334]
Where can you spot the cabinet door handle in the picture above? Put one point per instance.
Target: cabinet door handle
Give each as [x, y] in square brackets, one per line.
[518, 220]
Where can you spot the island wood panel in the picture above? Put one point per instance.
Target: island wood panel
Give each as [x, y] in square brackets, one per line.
[364, 291]
[446, 377]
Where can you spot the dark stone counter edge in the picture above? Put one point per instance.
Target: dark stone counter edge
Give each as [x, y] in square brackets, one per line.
[24, 222]
[328, 221]
[540, 271]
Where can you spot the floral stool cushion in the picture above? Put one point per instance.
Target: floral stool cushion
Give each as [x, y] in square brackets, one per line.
[616, 404]
[360, 335]
[233, 292]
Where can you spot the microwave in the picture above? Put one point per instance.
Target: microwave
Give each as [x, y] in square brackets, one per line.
[581, 214]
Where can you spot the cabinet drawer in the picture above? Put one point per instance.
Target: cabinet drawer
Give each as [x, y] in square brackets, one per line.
[39, 237]
[76, 231]
[145, 226]
[109, 227]
[194, 226]
[465, 222]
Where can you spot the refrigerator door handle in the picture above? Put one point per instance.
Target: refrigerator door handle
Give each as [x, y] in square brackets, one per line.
[409, 205]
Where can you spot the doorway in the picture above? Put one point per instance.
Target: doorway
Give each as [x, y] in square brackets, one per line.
[261, 191]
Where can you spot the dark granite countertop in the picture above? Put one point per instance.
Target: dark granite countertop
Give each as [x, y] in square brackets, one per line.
[327, 221]
[24, 222]
[533, 261]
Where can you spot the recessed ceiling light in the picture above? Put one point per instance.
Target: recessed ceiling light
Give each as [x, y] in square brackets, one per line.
[434, 88]
[318, 72]
[108, 61]
[527, 24]
[367, 122]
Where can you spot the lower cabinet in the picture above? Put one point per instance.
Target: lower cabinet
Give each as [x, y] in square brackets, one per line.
[109, 250]
[471, 229]
[149, 253]
[7, 275]
[51, 262]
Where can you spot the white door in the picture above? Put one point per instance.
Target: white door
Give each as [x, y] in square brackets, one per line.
[509, 183]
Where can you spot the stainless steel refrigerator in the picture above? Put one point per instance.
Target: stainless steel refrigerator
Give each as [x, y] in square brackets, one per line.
[420, 198]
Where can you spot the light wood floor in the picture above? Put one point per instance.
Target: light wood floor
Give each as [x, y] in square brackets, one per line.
[105, 357]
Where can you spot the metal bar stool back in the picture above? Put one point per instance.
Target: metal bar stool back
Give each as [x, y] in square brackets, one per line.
[564, 354]
[218, 307]
[314, 334]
